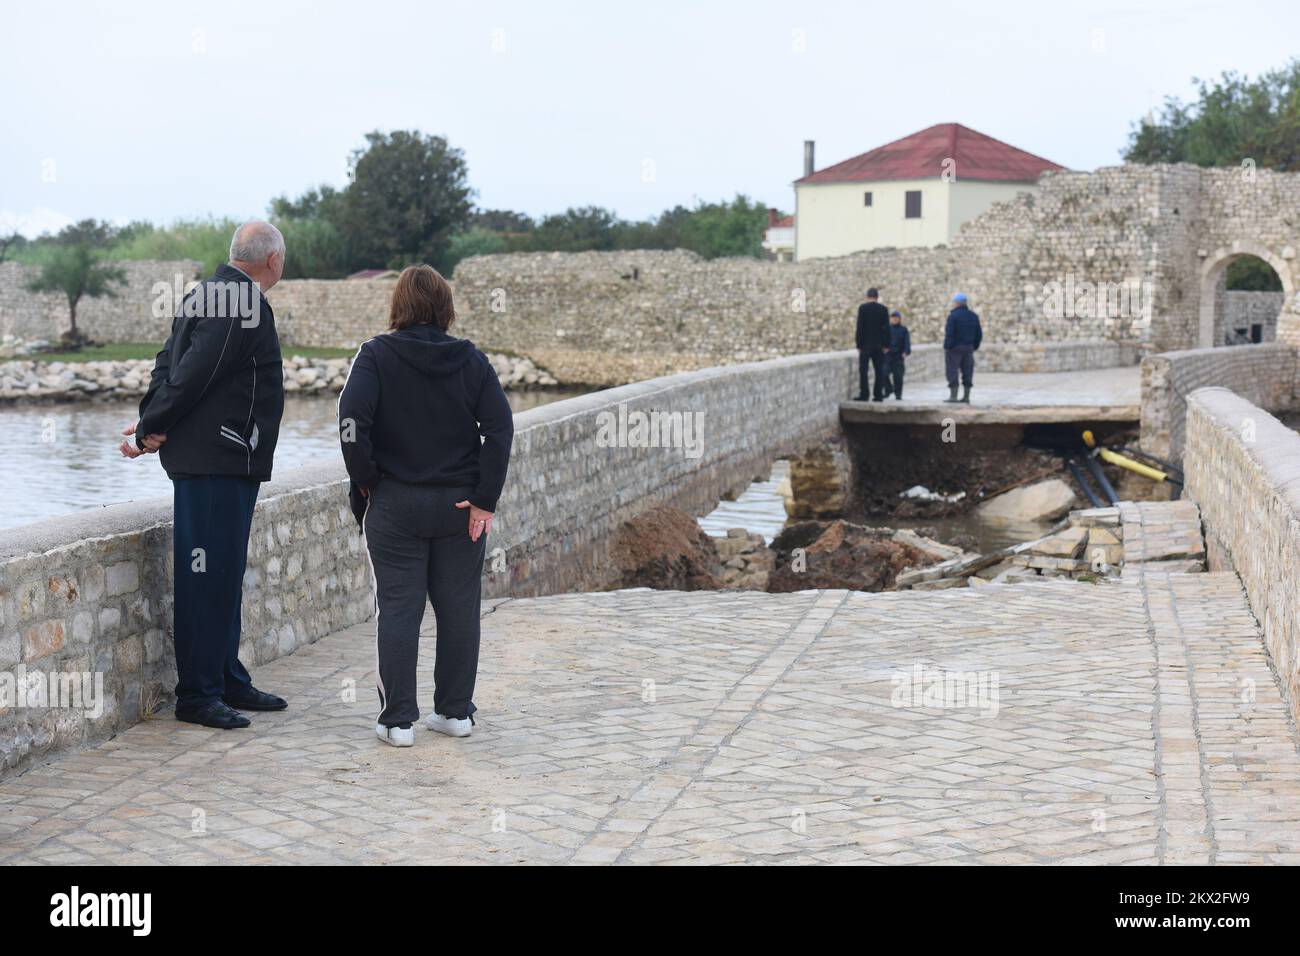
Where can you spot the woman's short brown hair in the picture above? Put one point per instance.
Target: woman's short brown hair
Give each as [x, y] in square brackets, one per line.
[422, 297]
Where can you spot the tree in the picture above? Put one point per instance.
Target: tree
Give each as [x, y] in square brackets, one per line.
[314, 249]
[73, 265]
[474, 242]
[575, 230]
[1234, 119]
[10, 242]
[501, 220]
[715, 229]
[1252, 274]
[408, 194]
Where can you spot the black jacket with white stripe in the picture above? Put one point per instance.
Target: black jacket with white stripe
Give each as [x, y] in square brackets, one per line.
[217, 389]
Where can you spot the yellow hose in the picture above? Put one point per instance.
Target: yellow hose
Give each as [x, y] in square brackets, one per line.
[1136, 466]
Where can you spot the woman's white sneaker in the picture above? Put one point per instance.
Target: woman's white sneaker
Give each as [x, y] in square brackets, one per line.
[451, 726]
[397, 736]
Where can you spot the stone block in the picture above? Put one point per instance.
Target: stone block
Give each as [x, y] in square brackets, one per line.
[121, 578]
[43, 639]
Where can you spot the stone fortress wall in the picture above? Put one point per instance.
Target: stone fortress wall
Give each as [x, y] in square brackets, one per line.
[126, 316]
[1154, 239]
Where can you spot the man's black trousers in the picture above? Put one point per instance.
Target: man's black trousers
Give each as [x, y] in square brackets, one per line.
[213, 516]
[894, 369]
[872, 360]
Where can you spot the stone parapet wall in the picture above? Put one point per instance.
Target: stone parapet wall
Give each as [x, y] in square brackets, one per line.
[91, 592]
[1264, 374]
[1242, 465]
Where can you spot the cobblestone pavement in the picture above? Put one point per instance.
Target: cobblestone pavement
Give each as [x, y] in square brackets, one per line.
[1127, 722]
[1106, 394]
[1102, 386]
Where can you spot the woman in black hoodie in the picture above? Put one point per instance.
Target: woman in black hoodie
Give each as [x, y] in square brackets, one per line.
[426, 433]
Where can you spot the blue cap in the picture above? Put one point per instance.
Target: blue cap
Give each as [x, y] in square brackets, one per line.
[959, 297]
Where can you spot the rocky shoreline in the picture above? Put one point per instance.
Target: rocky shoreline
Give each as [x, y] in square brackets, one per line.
[29, 380]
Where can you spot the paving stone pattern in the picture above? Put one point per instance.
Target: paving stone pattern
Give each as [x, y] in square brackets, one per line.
[1131, 722]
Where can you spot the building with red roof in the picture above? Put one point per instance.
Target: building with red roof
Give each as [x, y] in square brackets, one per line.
[915, 191]
[778, 238]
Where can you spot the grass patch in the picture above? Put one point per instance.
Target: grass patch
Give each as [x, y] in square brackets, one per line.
[124, 351]
[111, 352]
[312, 352]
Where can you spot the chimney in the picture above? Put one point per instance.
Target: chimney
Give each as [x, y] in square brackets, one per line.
[807, 157]
[771, 217]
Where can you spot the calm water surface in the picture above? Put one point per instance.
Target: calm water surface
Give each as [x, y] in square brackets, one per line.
[82, 469]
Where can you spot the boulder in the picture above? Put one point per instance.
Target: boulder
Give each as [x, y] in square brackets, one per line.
[837, 554]
[666, 549]
[1042, 501]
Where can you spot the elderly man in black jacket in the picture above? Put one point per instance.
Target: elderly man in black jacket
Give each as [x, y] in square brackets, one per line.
[212, 413]
[872, 340]
[961, 340]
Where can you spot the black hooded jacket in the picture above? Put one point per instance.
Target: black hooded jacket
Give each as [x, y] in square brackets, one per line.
[425, 408]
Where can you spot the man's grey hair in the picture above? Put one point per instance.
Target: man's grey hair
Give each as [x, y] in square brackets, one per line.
[254, 241]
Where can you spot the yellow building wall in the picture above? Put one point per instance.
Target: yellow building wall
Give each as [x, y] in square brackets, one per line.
[968, 199]
[831, 219]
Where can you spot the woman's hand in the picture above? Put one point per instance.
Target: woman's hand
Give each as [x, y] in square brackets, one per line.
[480, 521]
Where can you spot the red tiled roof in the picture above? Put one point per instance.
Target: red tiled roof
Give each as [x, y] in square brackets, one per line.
[786, 222]
[922, 155]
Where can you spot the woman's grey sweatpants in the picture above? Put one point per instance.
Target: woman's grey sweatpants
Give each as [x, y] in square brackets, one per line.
[419, 547]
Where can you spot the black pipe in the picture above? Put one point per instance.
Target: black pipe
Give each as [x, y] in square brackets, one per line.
[1083, 483]
[1100, 477]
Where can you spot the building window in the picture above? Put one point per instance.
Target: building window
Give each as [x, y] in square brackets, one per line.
[866, 199]
[913, 204]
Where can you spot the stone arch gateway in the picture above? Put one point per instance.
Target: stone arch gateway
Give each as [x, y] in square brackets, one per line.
[1213, 267]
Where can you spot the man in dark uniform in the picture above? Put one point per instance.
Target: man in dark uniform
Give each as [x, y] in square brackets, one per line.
[961, 339]
[212, 412]
[900, 347]
[872, 340]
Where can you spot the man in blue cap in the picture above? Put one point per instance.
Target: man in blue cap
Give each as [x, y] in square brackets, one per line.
[961, 338]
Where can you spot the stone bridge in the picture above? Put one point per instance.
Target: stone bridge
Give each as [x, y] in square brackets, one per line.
[1148, 719]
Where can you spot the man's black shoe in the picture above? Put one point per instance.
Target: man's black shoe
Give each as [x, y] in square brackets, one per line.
[254, 699]
[215, 714]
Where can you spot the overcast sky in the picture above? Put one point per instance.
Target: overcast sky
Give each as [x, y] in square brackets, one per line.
[160, 110]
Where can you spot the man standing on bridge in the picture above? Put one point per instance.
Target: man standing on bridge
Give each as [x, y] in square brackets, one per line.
[872, 340]
[213, 411]
[961, 339]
